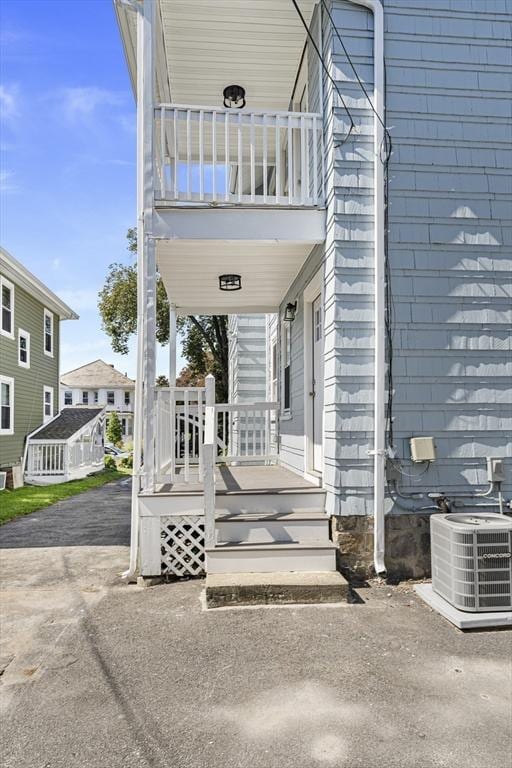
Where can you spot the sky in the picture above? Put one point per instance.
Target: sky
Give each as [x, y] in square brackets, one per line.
[67, 163]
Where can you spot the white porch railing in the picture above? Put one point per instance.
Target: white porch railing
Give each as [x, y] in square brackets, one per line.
[46, 459]
[225, 156]
[244, 432]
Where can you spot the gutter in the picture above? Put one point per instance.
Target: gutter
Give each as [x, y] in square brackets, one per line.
[379, 440]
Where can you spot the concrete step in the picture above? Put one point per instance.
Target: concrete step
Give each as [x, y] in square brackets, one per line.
[232, 589]
[270, 557]
[298, 525]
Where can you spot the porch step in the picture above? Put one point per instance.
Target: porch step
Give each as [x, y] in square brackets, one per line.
[271, 557]
[232, 589]
[270, 501]
[298, 525]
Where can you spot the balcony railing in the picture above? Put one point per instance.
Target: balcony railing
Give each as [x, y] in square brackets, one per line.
[228, 157]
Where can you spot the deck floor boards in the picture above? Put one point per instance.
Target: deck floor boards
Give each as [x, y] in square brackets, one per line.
[243, 479]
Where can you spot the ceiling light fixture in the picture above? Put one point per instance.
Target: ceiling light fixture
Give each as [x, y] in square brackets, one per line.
[234, 97]
[230, 282]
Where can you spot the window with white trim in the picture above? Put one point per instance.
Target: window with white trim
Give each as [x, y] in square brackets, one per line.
[68, 397]
[95, 397]
[48, 333]
[6, 405]
[111, 398]
[286, 359]
[85, 397]
[7, 300]
[127, 398]
[47, 403]
[23, 348]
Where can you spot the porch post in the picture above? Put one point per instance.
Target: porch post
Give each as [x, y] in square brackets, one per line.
[172, 345]
[143, 442]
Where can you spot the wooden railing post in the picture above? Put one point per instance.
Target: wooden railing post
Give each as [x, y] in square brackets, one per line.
[209, 461]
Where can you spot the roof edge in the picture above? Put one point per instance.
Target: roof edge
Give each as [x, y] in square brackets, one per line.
[35, 287]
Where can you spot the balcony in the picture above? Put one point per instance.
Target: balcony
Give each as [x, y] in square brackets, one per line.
[206, 156]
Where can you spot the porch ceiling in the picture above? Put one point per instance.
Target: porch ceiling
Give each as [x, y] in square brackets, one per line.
[208, 45]
[190, 270]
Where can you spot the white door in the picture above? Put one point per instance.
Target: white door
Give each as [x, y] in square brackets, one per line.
[318, 383]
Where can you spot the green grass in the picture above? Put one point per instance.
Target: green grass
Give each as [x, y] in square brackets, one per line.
[30, 498]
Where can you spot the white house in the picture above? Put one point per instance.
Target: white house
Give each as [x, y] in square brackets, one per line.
[100, 384]
[341, 166]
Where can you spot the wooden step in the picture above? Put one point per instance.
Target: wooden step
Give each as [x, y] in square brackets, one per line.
[232, 589]
[303, 526]
[270, 557]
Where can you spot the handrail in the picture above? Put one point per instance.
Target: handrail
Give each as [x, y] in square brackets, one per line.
[223, 156]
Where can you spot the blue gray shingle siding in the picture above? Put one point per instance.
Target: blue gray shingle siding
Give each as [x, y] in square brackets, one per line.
[449, 79]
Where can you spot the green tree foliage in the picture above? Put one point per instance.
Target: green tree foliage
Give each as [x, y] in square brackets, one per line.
[204, 337]
[114, 433]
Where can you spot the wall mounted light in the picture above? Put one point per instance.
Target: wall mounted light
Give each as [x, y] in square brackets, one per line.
[290, 312]
[230, 282]
[234, 97]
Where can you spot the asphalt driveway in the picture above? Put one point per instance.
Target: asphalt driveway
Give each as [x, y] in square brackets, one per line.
[147, 678]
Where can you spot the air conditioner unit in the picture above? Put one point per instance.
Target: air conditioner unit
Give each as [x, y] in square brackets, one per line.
[472, 560]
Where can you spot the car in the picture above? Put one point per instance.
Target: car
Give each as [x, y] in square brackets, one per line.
[111, 450]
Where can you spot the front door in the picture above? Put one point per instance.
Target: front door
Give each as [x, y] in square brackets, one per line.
[318, 383]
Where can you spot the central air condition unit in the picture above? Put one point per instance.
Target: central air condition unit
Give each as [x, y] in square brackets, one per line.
[472, 560]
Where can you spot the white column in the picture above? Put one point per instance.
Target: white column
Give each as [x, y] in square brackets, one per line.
[143, 443]
[172, 345]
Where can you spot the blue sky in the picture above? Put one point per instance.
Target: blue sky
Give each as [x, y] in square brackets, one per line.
[67, 171]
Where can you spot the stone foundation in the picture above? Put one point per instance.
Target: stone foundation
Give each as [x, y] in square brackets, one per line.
[407, 553]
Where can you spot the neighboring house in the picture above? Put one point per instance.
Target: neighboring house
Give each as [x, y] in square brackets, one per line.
[385, 274]
[100, 384]
[247, 358]
[29, 359]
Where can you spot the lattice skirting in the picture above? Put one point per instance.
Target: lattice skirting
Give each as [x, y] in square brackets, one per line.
[182, 545]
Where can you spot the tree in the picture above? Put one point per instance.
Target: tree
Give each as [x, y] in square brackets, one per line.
[204, 337]
[114, 432]
[162, 381]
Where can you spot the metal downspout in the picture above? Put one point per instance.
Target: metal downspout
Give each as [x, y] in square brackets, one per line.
[379, 442]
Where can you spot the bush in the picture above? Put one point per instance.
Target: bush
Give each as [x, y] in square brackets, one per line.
[110, 462]
[127, 462]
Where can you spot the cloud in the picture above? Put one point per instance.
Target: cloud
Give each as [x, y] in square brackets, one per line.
[6, 184]
[9, 101]
[80, 103]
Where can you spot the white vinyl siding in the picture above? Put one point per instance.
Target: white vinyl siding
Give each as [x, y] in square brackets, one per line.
[23, 348]
[47, 403]
[6, 405]
[7, 300]
[48, 333]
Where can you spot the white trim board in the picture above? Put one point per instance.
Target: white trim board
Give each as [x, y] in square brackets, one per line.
[462, 619]
[310, 293]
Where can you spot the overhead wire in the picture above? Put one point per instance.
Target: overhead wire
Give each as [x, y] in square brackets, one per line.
[328, 74]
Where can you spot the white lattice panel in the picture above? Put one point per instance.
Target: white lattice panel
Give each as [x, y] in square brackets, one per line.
[182, 545]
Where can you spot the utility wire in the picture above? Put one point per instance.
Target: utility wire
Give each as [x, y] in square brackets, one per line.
[387, 144]
[385, 154]
[326, 70]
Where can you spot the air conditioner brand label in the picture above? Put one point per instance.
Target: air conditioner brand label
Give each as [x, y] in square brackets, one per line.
[497, 556]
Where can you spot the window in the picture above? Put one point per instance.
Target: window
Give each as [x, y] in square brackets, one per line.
[48, 403]
[286, 356]
[6, 405]
[85, 398]
[48, 333]
[127, 397]
[111, 398]
[95, 396]
[68, 397]
[7, 290]
[123, 427]
[23, 348]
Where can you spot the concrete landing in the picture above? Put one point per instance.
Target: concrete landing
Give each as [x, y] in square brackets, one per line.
[463, 619]
[231, 589]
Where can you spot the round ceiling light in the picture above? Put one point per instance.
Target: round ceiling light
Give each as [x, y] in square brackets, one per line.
[230, 282]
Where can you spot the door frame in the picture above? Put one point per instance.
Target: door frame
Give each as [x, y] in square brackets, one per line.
[312, 290]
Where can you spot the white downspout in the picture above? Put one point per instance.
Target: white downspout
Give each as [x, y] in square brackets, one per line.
[379, 440]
